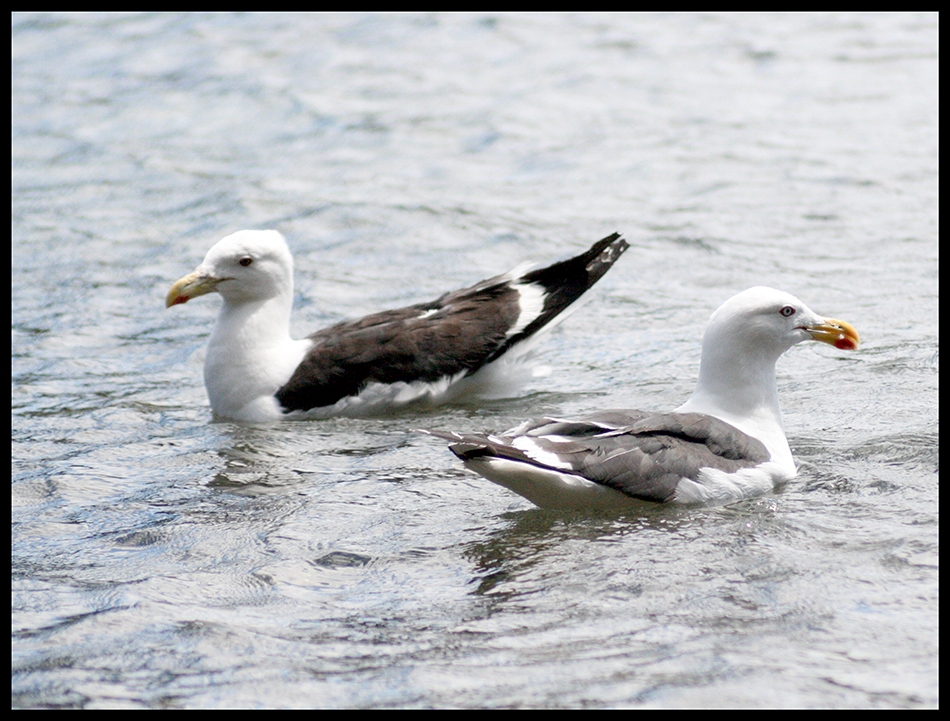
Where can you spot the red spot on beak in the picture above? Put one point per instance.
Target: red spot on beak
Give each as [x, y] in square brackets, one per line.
[845, 343]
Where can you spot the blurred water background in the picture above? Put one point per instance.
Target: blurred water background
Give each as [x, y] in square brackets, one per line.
[163, 560]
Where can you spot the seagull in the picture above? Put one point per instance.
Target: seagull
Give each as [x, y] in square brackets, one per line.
[724, 444]
[468, 343]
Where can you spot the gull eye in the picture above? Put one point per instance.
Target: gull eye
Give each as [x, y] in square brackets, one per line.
[246, 261]
[787, 311]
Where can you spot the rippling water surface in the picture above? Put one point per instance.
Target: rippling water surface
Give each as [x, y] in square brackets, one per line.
[163, 560]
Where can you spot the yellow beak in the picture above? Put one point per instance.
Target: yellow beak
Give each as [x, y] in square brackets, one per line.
[191, 286]
[835, 332]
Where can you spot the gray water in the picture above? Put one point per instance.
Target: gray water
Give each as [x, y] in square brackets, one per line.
[160, 559]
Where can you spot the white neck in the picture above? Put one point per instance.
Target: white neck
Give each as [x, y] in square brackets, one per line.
[250, 356]
[739, 388]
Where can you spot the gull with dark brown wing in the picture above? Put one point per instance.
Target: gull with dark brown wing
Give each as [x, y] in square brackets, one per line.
[468, 343]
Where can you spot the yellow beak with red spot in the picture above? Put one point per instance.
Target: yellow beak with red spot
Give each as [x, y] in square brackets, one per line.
[834, 332]
[191, 286]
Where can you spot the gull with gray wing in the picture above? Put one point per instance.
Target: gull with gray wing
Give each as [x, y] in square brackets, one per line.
[725, 443]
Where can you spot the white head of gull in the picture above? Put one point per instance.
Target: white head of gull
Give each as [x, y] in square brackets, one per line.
[725, 443]
[250, 353]
[467, 343]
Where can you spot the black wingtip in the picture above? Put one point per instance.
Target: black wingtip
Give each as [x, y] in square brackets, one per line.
[568, 280]
[464, 448]
[583, 270]
[604, 254]
[597, 247]
[468, 451]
